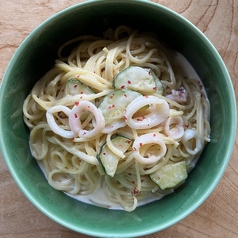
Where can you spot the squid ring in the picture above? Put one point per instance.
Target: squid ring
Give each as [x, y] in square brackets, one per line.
[75, 122]
[149, 139]
[158, 112]
[177, 131]
[187, 138]
[54, 126]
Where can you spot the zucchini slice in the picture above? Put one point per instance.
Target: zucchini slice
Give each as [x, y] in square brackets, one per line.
[115, 103]
[74, 87]
[108, 159]
[139, 79]
[170, 175]
[159, 85]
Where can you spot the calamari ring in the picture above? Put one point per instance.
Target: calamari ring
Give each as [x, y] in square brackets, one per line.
[52, 123]
[177, 131]
[75, 122]
[150, 138]
[189, 135]
[158, 112]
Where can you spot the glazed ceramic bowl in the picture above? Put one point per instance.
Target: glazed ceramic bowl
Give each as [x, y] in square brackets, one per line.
[36, 55]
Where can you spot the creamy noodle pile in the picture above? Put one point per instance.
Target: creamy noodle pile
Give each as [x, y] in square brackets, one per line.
[68, 128]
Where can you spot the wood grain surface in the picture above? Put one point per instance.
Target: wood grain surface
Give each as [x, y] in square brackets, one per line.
[218, 215]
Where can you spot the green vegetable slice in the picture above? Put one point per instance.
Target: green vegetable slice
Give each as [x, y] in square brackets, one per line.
[159, 85]
[170, 175]
[74, 87]
[139, 79]
[108, 159]
[115, 103]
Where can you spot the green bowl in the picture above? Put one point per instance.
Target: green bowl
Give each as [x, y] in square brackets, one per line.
[36, 55]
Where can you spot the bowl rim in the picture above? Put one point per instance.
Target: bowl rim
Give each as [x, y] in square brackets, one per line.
[231, 96]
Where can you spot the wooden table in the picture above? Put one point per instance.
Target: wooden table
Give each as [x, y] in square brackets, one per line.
[218, 215]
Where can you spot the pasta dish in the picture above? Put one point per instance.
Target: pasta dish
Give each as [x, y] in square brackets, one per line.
[117, 114]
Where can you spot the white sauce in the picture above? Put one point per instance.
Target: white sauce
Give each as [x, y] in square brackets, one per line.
[98, 198]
